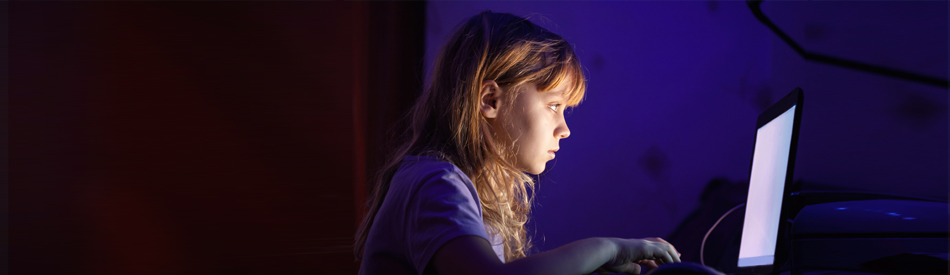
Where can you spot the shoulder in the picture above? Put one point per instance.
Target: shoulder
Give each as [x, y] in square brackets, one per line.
[432, 183]
[423, 172]
[441, 204]
[429, 165]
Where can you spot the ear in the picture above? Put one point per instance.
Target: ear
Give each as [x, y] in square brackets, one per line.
[489, 98]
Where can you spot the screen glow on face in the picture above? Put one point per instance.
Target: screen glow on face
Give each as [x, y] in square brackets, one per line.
[764, 204]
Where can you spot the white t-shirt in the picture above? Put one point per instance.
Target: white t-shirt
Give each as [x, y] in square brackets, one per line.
[429, 202]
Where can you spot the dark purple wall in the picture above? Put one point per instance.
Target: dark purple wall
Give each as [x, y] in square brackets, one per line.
[675, 88]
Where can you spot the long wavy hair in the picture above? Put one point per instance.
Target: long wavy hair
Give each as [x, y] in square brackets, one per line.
[445, 121]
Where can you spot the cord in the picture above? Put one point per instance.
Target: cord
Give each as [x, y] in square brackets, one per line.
[702, 247]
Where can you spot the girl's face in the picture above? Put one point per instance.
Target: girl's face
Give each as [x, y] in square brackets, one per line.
[533, 125]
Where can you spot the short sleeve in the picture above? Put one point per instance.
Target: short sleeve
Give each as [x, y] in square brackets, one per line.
[444, 207]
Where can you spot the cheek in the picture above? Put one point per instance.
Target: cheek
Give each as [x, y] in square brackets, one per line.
[536, 131]
[511, 130]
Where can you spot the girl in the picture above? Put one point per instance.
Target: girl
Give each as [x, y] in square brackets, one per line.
[454, 199]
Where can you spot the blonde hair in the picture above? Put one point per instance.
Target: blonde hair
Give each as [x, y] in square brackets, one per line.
[445, 121]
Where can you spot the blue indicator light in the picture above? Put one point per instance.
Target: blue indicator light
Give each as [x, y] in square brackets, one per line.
[910, 218]
[893, 214]
[842, 208]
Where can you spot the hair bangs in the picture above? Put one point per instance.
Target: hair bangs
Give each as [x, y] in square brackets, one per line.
[565, 70]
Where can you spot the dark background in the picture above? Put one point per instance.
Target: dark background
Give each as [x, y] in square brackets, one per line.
[200, 137]
[236, 137]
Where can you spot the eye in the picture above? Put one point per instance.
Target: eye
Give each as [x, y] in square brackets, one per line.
[555, 106]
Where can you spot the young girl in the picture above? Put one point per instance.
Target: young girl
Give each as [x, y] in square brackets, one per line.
[455, 198]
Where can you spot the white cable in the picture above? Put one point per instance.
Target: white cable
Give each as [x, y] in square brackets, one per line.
[703, 245]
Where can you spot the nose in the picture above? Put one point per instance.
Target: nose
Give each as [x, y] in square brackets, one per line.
[562, 132]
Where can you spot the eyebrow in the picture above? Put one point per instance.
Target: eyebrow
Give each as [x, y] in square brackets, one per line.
[558, 95]
[555, 93]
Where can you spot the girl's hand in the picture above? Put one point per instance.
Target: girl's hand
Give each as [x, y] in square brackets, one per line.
[651, 263]
[631, 253]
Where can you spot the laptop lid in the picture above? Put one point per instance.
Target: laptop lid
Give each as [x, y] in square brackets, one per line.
[762, 248]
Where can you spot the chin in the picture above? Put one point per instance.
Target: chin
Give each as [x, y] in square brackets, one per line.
[533, 170]
[536, 171]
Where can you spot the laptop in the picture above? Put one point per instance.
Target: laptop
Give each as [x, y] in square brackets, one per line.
[763, 247]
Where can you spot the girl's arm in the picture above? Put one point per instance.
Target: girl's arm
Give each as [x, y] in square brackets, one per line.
[474, 255]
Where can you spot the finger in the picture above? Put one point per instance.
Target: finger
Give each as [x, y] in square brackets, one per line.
[674, 255]
[663, 241]
[666, 255]
[632, 268]
[649, 263]
[663, 257]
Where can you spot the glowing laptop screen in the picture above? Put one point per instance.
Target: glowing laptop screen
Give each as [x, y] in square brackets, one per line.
[766, 185]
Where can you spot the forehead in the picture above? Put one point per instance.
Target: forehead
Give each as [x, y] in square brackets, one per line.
[557, 92]
[552, 94]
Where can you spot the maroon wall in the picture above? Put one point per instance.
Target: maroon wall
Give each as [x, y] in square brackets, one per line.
[196, 137]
